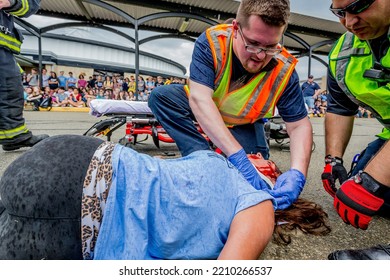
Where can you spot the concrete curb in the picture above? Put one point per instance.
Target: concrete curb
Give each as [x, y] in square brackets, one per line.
[63, 109]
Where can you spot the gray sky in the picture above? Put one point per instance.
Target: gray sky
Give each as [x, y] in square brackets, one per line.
[181, 50]
[315, 8]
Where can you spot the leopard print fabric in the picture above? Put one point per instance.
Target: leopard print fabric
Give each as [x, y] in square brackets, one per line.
[95, 192]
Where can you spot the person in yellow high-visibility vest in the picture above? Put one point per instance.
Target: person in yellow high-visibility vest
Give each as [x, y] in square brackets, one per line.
[359, 75]
[14, 133]
[239, 74]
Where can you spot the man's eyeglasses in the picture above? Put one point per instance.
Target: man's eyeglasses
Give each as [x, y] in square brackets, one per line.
[354, 8]
[257, 50]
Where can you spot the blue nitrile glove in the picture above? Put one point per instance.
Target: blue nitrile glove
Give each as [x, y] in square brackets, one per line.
[242, 163]
[287, 188]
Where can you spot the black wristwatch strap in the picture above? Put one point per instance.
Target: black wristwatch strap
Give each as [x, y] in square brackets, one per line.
[370, 184]
[334, 160]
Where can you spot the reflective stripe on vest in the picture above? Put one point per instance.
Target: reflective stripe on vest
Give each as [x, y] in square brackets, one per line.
[11, 133]
[348, 60]
[257, 98]
[20, 68]
[10, 42]
[23, 10]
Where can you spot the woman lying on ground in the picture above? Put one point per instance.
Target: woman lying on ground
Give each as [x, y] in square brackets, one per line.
[195, 207]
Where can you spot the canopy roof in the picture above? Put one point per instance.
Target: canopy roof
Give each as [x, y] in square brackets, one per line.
[188, 19]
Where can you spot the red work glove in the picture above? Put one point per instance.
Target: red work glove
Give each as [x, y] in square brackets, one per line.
[359, 199]
[333, 170]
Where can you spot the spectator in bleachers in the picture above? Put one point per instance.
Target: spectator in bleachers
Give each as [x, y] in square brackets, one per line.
[115, 87]
[76, 99]
[82, 83]
[100, 94]
[118, 81]
[69, 92]
[141, 89]
[108, 83]
[35, 97]
[160, 81]
[125, 84]
[47, 91]
[24, 79]
[92, 81]
[115, 94]
[47, 97]
[167, 81]
[123, 95]
[317, 109]
[45, 78]
[176, 80]
[324, 106]
[149, 85]
[27, 91]
[323, 95]
[363, 113]
[33, 78]
[62, 80]
[53, 82]
[61, 98]
[131, 95]
[310, 91]
[132, 85]
[108, 94]
[90, 95]
[99, 82]
[71, 82]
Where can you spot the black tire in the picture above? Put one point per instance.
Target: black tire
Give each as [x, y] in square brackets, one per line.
[279, 141]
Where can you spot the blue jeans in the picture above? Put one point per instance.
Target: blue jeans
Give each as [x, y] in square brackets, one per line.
[364, 157]
[309, 100]
[170, 106]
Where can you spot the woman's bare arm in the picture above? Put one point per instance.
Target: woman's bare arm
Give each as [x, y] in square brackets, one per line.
[250, 232]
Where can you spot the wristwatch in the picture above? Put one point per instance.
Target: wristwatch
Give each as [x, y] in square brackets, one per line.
[333, 160]
[370, 184]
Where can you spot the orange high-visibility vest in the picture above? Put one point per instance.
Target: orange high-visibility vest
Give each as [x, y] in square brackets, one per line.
[257, 98]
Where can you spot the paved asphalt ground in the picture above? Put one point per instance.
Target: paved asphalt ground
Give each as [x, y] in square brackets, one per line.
[303, 247]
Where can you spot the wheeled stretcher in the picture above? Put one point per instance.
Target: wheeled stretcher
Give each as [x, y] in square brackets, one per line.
[138, 119]
[136, 116]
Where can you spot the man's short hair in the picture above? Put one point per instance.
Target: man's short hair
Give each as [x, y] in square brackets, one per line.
[310, 76]
[274, 13]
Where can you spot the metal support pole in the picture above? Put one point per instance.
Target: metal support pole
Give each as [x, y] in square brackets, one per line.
[136, 45]
[40, 59]
[309, 63]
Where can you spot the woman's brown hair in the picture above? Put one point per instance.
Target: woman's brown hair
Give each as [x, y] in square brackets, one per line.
[304, 215]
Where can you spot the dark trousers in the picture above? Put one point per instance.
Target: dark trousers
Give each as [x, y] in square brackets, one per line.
[11, 100]
[364, 157]
[171, 108]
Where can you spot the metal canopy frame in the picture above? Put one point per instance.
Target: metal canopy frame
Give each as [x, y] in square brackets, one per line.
[184, 11]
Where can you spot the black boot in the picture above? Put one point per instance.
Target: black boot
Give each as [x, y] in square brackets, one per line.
[379, 252]
[26, 143]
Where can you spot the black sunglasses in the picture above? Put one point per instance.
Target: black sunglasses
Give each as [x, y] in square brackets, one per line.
[354, 8]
